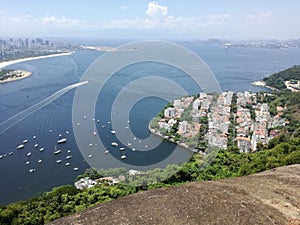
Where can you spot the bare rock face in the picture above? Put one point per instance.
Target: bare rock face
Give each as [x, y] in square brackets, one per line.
[270, 197]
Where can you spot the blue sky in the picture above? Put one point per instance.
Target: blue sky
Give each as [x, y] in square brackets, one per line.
[139, 19]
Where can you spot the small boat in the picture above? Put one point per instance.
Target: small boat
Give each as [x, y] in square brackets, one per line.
[50, 131]
[103, 126]
[69, 151]
[20, 146]
[1, 156]
[36, 145]
[146, 146]
[40, 161]
[133, 149]
[42, 149]
[122, 149]
[58, 161]
[29, 154]
[129, 144]
[75, 168]
[67, 132]
[123, 156]
[31, 170]
[113, 132]
[59, 135]
[128, 121]
[134, 138]
[63, 140]
[25, 141]
[27, 163]
[67, 164]
[94, 133]
[106, 152]
[93, 119]
[114, 144]
[126, 128]
[34, 137]
[108, 122]
[98, 121]
[10, 153]
[90, 156]
[84, 117]
[91, 144]
[56, 151]
[68, 157]
[78, 124]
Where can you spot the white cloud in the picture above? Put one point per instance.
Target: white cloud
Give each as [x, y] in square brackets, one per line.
[258, 17]
[157, 17]
[63, 21]
[156, 11]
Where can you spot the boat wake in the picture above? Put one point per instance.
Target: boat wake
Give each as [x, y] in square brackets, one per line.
[10, 122]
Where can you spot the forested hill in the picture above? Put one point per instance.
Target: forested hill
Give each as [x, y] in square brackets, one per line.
[276, 80]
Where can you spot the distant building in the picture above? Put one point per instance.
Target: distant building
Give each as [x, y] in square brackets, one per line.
[169, 112]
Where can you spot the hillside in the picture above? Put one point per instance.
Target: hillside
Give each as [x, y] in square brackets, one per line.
[276, 80]
[270, 197]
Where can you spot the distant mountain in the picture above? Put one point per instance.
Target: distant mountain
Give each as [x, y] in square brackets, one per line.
[270, 197]
[277, 80]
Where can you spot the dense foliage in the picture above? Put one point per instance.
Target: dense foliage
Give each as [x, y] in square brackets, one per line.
[280, 151]
[277, 80]
[64, 200]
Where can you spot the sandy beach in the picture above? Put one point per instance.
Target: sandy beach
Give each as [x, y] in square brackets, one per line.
[7, 63]
[22, 74]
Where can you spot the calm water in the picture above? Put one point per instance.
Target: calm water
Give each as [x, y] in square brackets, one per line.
[235, 69]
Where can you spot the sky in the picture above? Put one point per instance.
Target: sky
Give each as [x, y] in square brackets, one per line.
[140, 19]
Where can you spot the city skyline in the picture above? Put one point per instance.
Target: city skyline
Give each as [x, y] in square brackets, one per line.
[152, 19]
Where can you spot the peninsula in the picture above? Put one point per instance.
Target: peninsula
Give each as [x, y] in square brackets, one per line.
[13, 75]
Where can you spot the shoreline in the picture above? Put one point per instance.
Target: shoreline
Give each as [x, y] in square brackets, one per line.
[11, 62]
[170, 139]
[261, 83]
[24, 75]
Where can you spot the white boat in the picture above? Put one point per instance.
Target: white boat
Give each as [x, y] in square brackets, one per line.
[25, 141]
[133, 149]
[90, 156]
[78, 124]
[58, 161]
[36, 145]
[59, 135]
[10, 153]
[129, 144]
[27, 163]
[69, 151]
[108, 122]
[50, 131]
[98, 121]
[40, 161]
[126, 128]
[114, 144]
[106, 152]
[67, 132]
[68, 157]
[103, 126]
[20, 146]
[56, 151]
[63, 140]
[123, 156]
[75, 168]
[1, 156]
[34, 137]
[113, 131]
[84, 117]
[29, 154]
[94, 133]
[67, 164]
[42, 149]
[134, 138]
[122, 149]
[91, 144]
[93, 119]
[31, 170]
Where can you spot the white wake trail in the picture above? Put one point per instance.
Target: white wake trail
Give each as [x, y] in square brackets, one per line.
[10, 122]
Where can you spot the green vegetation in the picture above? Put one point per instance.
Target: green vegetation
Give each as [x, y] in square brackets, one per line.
[65, 200]
[3, 74]
[277, 80]
[280, 151]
